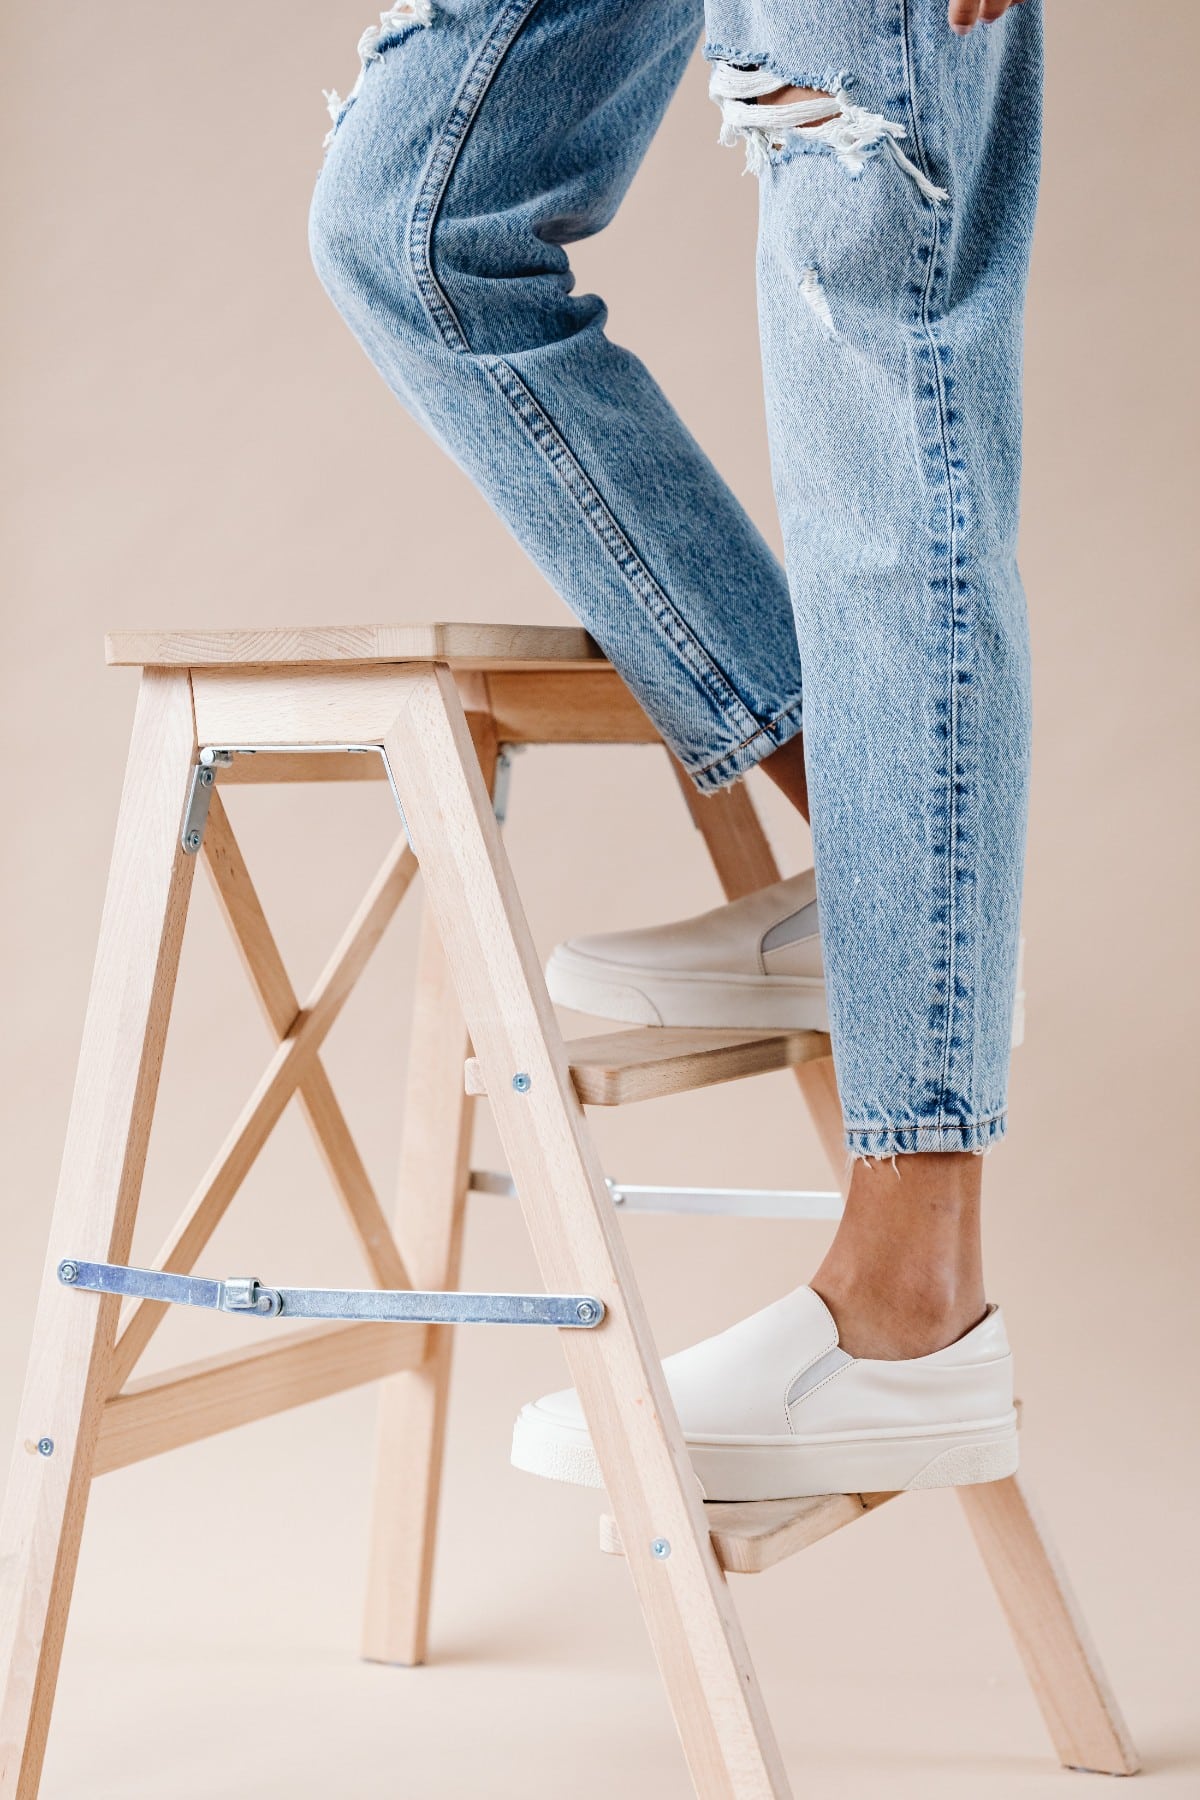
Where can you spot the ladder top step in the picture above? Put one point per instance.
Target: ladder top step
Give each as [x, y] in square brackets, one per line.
[651, 1061]
[752, 1535]
[465, 646]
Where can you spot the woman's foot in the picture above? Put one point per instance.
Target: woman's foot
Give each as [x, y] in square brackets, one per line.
[775, 1408]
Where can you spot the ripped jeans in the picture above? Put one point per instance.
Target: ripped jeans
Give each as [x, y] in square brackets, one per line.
[484, 135]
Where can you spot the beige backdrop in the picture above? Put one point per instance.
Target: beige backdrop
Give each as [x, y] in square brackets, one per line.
[194, 439]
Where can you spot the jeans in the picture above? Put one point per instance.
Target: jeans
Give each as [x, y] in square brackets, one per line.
[481, 137]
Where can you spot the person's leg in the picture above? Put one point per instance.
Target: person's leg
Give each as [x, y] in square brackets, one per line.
[891, 282]
[898, 502]
[484, 136]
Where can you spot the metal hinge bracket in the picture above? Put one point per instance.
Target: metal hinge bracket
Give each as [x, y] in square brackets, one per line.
[195, 813]
[401, 1305]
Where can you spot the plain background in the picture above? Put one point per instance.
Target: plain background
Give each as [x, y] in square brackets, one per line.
[194, 439]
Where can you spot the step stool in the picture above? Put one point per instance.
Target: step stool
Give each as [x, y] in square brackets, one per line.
[434, 710]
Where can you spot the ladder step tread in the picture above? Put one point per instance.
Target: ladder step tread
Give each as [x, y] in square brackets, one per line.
[648, 1062]
[752, 1535]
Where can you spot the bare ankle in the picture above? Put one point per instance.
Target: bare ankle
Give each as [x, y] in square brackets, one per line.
[890, 1320]
[904, 1274]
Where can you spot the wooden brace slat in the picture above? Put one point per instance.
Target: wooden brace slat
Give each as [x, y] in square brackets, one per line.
[200, 1399]
[240, 904]
[262, 1111]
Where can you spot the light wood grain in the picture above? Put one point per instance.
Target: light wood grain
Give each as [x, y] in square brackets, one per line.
[277, 768]
[243, 913]
[752, 1535]
[290, 1063]
[717, 1704]
[107, 1134]
[283, 707]
[464, 645]
[1070, 1686]
[582, 705]
[179, 1406]
[649, 1062]
[431, 1194]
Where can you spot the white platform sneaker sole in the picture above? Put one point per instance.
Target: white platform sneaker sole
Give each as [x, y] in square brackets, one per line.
[790, 1468]
[641, 996]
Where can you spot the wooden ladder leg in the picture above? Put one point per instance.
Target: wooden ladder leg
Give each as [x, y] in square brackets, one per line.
[1084, 1720]
[718, 1707]
[431, 1203]
[107, 1134]
[1070, 1686]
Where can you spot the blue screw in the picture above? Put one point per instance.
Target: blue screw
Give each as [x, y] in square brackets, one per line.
[522, 1083]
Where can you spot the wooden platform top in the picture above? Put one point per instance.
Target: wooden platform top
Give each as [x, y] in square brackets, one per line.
[465, 646]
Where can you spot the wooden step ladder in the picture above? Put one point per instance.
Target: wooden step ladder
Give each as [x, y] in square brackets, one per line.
[432, 710]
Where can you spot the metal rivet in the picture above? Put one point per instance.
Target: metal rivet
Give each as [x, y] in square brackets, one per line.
[68, 1272]
[659, 1547]
[522, 1083]
[192, 840]
[45, 1446]
[585, 1312]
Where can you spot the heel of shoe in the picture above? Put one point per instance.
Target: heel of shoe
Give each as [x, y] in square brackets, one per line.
[968, 1464]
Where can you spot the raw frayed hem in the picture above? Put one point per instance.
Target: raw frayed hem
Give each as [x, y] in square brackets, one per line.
[732, 764]
[883, 1143]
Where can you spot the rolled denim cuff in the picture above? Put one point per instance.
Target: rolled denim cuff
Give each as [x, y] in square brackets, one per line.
[868, 1141]
[710, 777]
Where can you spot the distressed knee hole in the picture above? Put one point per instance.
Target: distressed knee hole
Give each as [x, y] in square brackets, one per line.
[769, 115]
[394, 24]
[788, 96]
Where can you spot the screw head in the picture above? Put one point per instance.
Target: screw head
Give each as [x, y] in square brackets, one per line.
[192, 840]
[45, 1446]
[522, 1083]
[206, 777]
[68, 1272]
[585, 1312]
[660, 1547]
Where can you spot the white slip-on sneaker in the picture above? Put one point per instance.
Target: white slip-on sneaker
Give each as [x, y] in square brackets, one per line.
[774, 1408]
[754, 963]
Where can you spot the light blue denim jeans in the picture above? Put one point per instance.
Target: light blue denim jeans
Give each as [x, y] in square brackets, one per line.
[484, 135]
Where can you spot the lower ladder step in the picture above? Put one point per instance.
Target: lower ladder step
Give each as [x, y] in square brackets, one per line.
[653, 1060]
[751, 1535]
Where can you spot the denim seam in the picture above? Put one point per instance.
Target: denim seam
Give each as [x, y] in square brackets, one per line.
[597, 514]
[951, 1000]
[764, 730]
[566, 467]
[508, 26]
[887, 1140]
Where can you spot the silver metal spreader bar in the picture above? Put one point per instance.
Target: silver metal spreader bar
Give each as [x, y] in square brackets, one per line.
[742, 1203]
[246, 1295]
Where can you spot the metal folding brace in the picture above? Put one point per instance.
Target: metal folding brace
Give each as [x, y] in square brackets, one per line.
[246, 1295]
[742, 1203]
[214, 757]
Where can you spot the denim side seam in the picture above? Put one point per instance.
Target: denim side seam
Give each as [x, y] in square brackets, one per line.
[945, 920]
[564, 464]
[599, 516]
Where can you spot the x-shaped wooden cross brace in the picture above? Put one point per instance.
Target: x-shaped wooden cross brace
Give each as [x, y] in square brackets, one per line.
[295, 1067]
